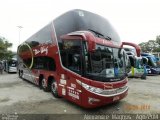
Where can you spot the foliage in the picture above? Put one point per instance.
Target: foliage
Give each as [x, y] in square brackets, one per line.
[158, 39]
[144, 47]
[151, 45]
[156, 50]
[4, 52]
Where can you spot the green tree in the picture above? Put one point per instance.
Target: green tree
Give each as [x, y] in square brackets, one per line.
[4, 52]
[150, 46]
[158, 39]
[156, 50]
[144, 47]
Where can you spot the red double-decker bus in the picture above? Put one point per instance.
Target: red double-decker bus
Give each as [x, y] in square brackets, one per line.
[78, 56]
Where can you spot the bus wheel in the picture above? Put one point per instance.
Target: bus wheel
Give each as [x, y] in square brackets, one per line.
[54, 89]
[43, 85]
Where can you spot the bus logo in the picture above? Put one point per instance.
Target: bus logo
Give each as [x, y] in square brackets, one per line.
[108, 85]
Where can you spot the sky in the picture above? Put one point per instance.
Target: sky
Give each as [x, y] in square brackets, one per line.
[135, 20]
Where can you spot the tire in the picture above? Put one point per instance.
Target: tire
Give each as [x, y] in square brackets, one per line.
[43, 85]
[54, 89]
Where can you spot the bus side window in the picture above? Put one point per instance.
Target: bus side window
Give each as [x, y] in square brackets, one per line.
[45, 63]
[51, 64]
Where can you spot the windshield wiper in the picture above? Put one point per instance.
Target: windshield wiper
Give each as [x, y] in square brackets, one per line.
[99, 34]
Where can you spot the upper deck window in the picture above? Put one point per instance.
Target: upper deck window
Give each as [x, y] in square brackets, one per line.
[41, 37]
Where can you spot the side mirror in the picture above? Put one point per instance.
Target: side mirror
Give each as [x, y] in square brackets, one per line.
[137, 47]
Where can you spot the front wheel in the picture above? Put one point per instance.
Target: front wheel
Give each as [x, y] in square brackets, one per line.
[54, 89]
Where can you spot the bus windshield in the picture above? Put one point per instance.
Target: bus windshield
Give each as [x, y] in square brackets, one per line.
[105, 62]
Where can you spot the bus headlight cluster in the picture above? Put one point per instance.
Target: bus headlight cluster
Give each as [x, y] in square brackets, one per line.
[101, 92]
[90, 88]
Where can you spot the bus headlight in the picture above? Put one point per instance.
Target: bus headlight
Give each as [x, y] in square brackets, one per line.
[101, 92]
[90, 88]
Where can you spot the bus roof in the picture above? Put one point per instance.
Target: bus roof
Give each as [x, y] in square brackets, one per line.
[80, 20]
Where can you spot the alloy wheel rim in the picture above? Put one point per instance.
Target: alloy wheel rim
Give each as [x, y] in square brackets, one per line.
[54, 87]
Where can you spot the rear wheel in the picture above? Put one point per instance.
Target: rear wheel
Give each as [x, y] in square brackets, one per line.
[54, 89]
[44, 85]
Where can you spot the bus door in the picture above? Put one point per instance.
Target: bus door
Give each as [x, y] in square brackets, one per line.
[75, 64]
[71, 56]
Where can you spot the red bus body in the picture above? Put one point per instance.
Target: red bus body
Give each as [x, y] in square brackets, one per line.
[44, 62]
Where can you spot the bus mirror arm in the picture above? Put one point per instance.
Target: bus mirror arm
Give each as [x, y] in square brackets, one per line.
[137, 47]
[91, 46]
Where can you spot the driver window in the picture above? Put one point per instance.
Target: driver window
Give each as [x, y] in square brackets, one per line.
[71, 55]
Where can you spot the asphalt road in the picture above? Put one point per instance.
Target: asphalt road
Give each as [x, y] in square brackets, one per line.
[21, 97]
